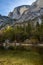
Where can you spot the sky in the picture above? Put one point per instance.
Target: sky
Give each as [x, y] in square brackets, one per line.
[7, 6]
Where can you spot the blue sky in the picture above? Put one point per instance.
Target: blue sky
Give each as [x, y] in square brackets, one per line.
[8, 5]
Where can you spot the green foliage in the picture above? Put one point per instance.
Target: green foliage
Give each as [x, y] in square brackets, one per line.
[20, 33]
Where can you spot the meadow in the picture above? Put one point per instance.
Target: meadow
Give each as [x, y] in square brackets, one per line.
[20, 57]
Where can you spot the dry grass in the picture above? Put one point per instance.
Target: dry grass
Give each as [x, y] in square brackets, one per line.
[17, 57]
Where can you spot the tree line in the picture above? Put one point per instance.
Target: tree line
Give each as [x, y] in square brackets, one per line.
[20, 33]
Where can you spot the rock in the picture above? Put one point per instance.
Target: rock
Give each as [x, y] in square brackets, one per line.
[18, 11]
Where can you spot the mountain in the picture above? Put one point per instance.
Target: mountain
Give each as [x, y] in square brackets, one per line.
[5, 21]
[23, 13]
[27, 12]
[18, 11]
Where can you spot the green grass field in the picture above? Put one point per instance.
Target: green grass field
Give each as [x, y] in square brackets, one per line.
[19, 57]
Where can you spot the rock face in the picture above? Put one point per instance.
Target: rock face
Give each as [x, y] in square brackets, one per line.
[18, 11]
[23, 13]
[5, 21]
[40, 3]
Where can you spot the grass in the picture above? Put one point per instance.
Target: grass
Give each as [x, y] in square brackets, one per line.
[20, 57]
